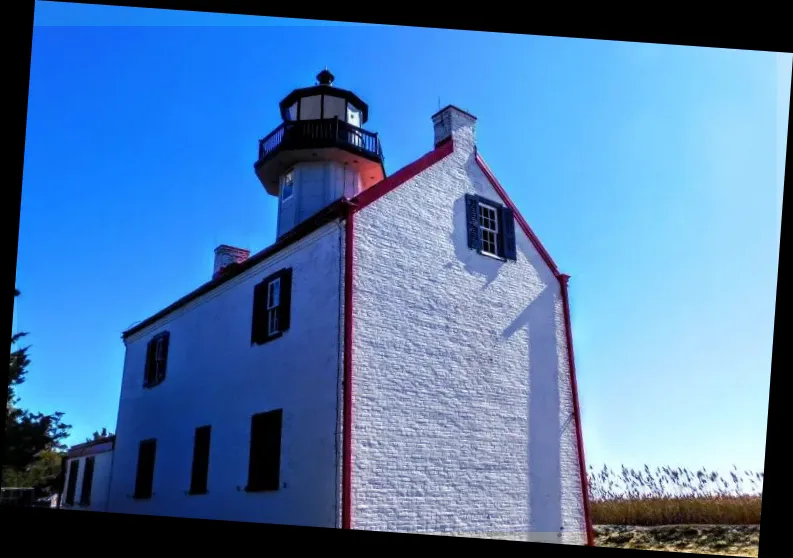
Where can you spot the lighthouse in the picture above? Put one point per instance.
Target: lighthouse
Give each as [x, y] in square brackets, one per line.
[319, 153]
[399, 359]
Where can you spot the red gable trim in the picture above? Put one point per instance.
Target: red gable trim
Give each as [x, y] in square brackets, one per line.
[518, 217]
[403, 175]
[590, 533]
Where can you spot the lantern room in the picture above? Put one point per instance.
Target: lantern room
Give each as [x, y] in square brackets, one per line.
[321, 123]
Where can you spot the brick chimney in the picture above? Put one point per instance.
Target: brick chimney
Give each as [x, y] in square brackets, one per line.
[227, 255]
[453, 122]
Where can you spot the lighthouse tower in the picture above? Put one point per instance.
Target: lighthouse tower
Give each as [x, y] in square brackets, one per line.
[319, 153]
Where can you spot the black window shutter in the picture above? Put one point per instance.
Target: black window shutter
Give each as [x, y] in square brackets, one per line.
[88, 480]
[264, 466]
[165, 340]
[259, 321]
[144, 481]
[508, 234]
[74, 468]
[198, 481]
[472, 220]
[285, 304]
[149, 371]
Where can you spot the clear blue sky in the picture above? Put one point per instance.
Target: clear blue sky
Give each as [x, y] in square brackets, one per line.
[653, 174]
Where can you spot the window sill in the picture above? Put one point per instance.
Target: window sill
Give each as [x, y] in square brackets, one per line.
[260, 489]
[142, 498]
[268, 339]
[152, 385]
[197, 492]
[493, 256]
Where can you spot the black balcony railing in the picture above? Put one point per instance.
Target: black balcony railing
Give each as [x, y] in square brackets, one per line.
[331, 132]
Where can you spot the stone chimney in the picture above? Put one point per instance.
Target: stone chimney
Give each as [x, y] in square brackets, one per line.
[227, 255]
[454, 122]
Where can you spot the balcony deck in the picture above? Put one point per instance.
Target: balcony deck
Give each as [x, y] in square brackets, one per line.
[331, 132]
[331, 138]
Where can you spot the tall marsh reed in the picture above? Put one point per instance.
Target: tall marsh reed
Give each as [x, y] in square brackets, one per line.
[673, 496]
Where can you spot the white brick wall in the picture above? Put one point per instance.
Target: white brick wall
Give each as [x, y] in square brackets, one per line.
[462, 402]
[215, 377]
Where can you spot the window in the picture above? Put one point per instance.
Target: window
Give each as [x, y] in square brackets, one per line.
[490, 227]
[311, 107]
[333, 107]
[287, 186]
[264, 466]
[71, 488]
[198, 480]
[353, 115]
[88, 480]
[144, 480]
[156, 359]
[272, 299]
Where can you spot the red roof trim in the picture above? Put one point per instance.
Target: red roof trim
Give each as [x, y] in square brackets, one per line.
[590, 533]
[403, 175]
[518, 217]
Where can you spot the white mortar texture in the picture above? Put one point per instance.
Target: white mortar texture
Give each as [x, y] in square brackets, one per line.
[462, 403]
[215, 377]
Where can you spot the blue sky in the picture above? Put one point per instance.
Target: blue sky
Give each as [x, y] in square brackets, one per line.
[653, 175]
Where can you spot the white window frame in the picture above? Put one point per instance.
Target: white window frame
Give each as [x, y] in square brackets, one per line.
[273, 305]
[159, 360]
[494, 230]
[289, 179]
[159, 350]
[353, 115]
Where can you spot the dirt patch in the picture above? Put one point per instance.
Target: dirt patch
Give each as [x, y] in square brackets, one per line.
[725, 540]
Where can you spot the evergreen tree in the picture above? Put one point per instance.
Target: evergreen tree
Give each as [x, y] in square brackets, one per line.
[97, 435]
[33, 441]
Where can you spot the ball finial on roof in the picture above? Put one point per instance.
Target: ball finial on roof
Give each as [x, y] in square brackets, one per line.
[325, 77]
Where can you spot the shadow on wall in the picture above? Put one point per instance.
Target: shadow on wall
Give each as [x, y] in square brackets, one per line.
[544, 444]
[539, 319]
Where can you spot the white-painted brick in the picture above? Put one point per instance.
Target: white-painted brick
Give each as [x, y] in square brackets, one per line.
[216, 377]
[461, 391]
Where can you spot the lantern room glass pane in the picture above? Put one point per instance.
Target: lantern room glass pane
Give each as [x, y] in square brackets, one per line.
[334, 107]
[310, 108]
[291, 112]
[353, 116]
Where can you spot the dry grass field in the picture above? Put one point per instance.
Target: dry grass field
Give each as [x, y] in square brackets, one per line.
[675, 509]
